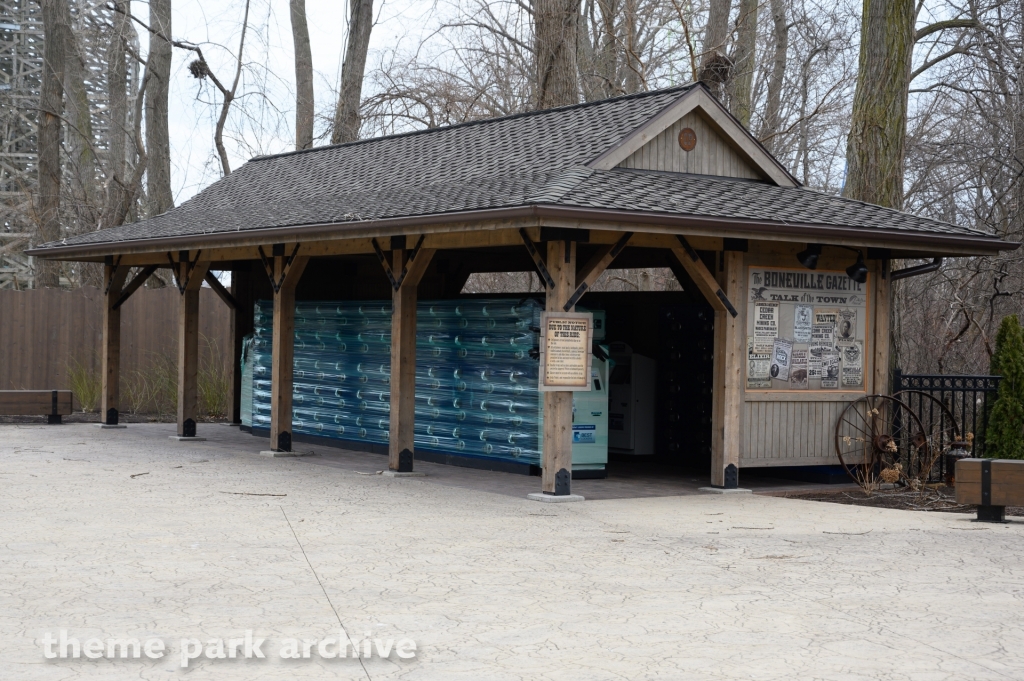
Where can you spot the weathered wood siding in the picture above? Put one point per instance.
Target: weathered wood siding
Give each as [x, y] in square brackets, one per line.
[43, 330]
[789, 433]
[797, 427]
[712, 155]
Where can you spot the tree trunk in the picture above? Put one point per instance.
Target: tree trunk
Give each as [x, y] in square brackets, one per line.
[158, 179]
[555, 34]
[632, 80]
[875, 148]
[773, 107]
[715, 68]
[586, 59]
[742, 81]
[346, 116]
[303, 76]
[117, 84]
[79, 138]
[57, 30]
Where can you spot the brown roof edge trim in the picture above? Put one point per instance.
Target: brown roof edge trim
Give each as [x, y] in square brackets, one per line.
[804, 232]
[800, 232]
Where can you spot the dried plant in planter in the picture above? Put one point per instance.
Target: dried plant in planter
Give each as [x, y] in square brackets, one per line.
[85, 384]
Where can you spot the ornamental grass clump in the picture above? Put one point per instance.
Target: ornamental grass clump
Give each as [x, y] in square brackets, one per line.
[1004, 438]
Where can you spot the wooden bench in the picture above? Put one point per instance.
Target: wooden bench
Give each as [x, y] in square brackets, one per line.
[50, 403]
[992, 484]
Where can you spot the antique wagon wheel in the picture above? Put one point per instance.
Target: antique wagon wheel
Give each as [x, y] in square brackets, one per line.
[939, 426]
[874, 434]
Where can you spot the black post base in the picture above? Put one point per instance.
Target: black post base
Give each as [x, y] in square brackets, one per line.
[992, 514]
[563, 483]
[54, 419]
[405, 459]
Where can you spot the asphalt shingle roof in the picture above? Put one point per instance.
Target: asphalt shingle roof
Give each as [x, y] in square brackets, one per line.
[530, 159]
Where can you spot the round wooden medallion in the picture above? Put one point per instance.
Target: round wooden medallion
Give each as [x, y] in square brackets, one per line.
[687, 139]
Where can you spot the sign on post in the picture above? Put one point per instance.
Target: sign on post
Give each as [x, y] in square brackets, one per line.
[565, 350]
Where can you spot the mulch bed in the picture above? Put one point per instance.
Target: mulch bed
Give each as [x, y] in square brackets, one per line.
[941, 498]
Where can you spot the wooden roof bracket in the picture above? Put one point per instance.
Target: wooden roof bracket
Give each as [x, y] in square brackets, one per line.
[538, 260]
[595, 267]
[412, 257]
[219, 289]
[412, 268]
[277, 252]
[384, 263]
[135, 285]
[113, 262]
[182, 278]
[705, 281]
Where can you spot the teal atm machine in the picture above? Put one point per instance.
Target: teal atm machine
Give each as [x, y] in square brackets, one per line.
[590, 415]
[590, 425]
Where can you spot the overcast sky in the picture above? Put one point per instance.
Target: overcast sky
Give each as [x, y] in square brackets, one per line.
[216, 23]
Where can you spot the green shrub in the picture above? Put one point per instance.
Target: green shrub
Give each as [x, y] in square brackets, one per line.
[1004, 438]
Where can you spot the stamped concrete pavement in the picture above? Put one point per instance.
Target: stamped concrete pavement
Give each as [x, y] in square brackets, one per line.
[116, 534]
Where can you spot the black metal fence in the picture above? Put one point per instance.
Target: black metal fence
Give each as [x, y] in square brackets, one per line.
[967, 399]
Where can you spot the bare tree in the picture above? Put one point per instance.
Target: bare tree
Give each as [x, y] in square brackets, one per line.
[79, 130]
[158, 65]
[555, 35]
[57, 29]
[741, 83]
[715, 66]
[122, 191]
[353, 69]
[780, 55]
[304, 109]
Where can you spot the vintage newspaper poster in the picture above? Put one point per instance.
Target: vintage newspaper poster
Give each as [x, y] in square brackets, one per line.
[830, 370]
[822, 341]
[846, 327]
[812, 314]
[802, 323]
[853, 364]
[827, 316]
[565, 350]
[782, 352]
[766, 326]
[758, 366]
[798, 369]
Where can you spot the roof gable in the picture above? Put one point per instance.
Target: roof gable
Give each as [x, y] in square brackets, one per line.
[724, 147]
[711, 155]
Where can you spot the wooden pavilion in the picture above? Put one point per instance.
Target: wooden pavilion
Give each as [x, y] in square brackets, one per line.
[665, 178]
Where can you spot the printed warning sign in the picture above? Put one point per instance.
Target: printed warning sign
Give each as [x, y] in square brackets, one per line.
[565, 350]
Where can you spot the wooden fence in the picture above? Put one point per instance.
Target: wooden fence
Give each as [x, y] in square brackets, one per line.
[45, 332]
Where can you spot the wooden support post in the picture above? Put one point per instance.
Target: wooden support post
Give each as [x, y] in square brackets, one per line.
[242, 323]
[114, 277]
[287, 273]
[402, 419]
[727, 396]
[557, 446]
[883, 310]
[190, 279]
